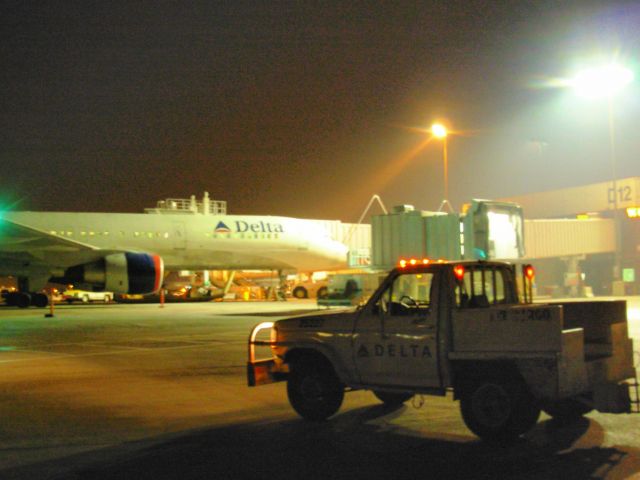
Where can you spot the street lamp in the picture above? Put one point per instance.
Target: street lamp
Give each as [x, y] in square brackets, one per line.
[604, 82]
[440, 131]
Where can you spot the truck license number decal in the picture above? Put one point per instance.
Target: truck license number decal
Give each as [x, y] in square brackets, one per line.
[392, 350]
[533, 314]
[311, 322]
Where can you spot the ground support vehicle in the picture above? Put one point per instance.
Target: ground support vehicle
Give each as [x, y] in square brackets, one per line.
[462, 327]
[310, 289]
[350, 289]
[71, 296]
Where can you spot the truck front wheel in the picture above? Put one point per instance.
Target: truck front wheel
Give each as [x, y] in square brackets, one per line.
[392, 399]
[314, 391]
[498, 409]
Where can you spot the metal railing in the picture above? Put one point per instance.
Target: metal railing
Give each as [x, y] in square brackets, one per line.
[190, 205]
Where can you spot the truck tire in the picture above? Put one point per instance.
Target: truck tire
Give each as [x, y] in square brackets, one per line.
[498, 408]
[300, 292]
[568, 410]
[314, 390]
[392, 399]
[323, 292]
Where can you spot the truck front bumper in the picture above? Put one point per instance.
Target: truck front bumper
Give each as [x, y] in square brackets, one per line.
[263, 372]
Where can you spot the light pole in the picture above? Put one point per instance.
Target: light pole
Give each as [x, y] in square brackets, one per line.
[440, 131]
[604, 82]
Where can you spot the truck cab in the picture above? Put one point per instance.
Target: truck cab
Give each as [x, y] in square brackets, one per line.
[402, 337]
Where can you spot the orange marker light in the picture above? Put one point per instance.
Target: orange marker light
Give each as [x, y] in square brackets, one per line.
[458, 271]
[529, 272]
[413, 262]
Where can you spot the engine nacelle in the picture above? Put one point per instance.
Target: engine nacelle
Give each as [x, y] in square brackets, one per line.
[119, 273]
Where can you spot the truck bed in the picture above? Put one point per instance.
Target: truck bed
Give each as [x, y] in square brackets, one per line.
[604, 323]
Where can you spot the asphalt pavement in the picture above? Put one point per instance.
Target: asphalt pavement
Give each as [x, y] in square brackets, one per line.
[138, 391]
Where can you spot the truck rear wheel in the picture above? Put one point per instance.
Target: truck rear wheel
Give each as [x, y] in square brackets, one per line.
[498, 409]
[569, 410]
[314, 390]
[392, 399]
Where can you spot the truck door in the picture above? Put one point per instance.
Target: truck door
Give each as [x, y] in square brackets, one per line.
[395, 341]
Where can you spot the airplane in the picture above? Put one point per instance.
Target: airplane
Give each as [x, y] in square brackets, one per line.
[128, 252]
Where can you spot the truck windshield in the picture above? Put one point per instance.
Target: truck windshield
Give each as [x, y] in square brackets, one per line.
[481, 287]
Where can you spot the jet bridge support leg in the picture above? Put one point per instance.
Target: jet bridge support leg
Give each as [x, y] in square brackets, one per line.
[282, 288]
[278, 293]
[227, 286]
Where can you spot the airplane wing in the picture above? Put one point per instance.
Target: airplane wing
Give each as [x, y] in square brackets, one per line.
[38, 255]
[20, 242]
[15, 237]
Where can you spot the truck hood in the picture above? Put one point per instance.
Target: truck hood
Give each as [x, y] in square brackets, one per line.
[341, 320]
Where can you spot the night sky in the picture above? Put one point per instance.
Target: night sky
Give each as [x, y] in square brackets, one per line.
[304, 108]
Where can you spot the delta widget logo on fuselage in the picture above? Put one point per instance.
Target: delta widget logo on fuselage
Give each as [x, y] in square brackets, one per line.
[242, 226]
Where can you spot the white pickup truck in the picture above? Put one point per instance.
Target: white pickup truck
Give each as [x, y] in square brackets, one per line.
[433, 327]
[71, 296]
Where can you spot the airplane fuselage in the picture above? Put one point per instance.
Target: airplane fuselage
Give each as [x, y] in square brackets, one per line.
[190, 241]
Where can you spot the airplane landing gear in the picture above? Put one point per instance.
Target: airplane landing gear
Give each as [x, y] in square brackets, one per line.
[24, 300]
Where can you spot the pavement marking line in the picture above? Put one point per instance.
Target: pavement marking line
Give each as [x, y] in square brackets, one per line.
[97, 354]
[84, 345]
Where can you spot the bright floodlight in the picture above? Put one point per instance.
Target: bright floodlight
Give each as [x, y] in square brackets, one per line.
[602, 81]
[439, 130]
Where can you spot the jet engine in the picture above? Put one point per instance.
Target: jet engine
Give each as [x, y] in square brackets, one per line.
[119, 273]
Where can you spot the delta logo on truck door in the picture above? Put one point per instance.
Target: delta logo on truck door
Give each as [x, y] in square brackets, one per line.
[392, 350]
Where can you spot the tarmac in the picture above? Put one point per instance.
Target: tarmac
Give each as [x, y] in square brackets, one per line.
[139, 391]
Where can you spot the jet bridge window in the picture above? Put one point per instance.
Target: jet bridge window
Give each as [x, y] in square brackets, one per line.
[481, 287]
[409, 294]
